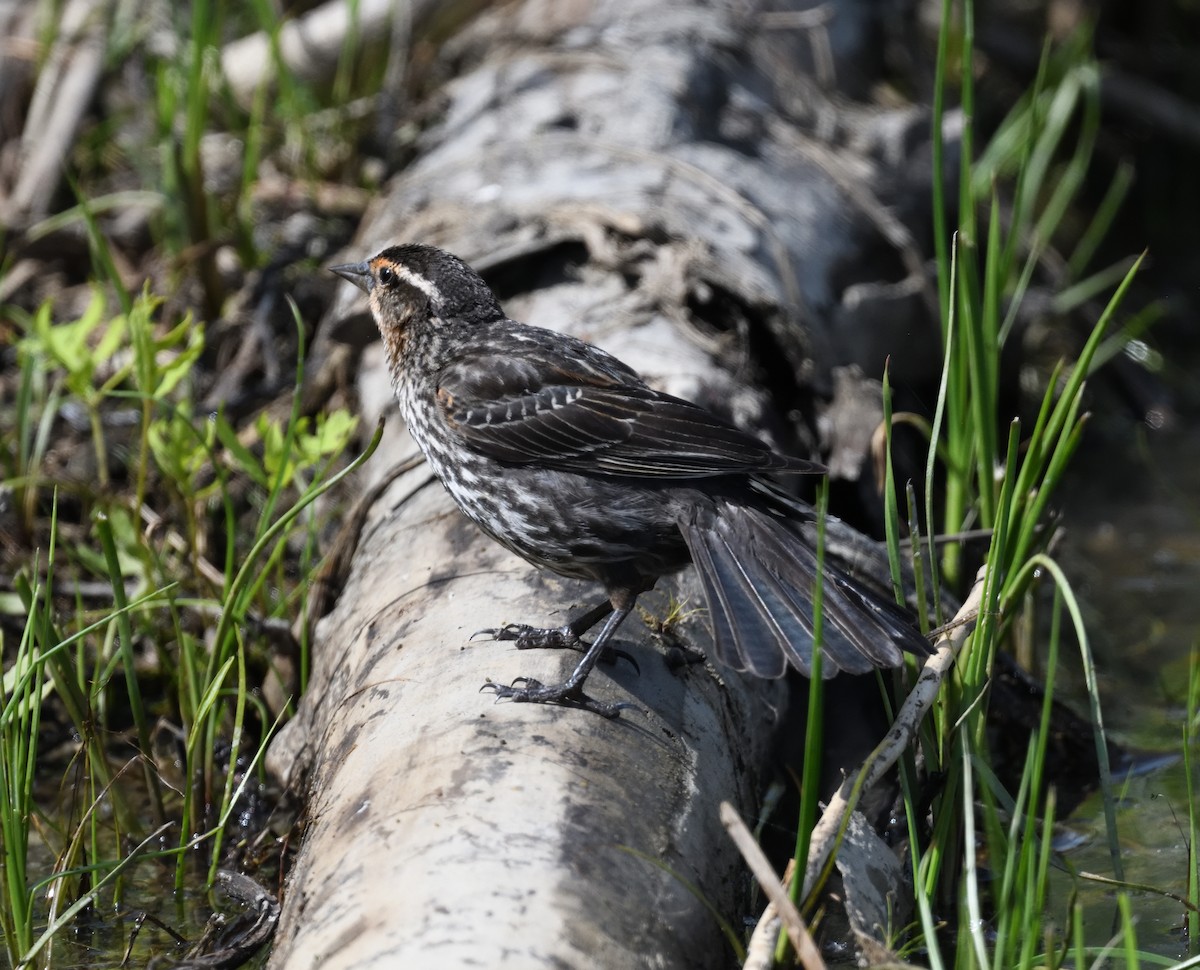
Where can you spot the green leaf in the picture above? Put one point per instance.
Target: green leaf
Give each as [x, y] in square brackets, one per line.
[181, 364]
[245, 458]
[332, 436]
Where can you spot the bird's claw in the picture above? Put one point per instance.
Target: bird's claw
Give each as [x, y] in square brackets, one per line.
[531, 691]
[560, 638]
[534, 638]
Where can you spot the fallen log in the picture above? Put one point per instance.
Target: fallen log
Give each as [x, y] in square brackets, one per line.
[627, 176]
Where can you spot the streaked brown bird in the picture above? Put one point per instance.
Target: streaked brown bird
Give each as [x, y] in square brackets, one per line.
[561, 453]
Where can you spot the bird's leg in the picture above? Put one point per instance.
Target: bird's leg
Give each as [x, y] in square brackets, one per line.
[570, 692]
[555, 638]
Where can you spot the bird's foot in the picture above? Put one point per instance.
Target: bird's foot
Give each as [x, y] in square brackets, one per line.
[532, 691]
[557, 638]
[529, 637]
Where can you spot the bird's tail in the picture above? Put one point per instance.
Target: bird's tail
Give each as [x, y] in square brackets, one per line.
[758, 572]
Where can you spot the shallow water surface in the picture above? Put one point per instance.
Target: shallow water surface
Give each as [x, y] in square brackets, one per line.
[1132, 552]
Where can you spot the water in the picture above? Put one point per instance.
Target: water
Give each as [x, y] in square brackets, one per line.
[1132, 552]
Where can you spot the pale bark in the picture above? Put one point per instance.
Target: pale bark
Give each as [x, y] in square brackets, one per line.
[446, 829]
[66, 86]
[624, 172]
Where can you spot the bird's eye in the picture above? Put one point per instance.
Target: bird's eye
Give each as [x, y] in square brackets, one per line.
[387, 276]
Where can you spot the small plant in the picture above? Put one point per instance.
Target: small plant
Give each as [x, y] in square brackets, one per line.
[1191, 737]
[145, 535]
[21, 691]
[986, 266]
[665, 625]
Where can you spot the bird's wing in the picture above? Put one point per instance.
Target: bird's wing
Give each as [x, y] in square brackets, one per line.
[594, 415]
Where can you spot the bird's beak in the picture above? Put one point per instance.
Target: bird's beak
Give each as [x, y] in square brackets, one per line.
[357, 273]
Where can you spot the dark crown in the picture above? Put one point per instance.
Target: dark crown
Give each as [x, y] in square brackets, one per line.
[454, 289]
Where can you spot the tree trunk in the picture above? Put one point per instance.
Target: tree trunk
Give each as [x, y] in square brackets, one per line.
[643, 176]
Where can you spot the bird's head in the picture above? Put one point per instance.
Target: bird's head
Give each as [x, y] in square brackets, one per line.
[407, 284]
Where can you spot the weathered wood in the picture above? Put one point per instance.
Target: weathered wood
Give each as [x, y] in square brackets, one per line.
[450, 829]
[65, 87]
[310, 46]
[624, 172]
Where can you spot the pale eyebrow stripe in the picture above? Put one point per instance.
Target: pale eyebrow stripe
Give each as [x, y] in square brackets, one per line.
[420, 282]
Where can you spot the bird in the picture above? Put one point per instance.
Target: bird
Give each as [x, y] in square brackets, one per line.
[561, 453]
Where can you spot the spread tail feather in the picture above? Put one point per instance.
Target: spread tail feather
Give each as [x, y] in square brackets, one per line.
[758, 574]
